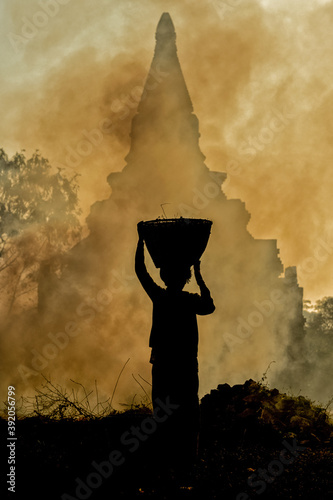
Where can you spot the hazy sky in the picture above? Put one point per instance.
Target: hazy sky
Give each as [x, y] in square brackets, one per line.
[260, 76]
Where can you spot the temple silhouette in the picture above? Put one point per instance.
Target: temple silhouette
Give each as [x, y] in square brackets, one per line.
[258, 304]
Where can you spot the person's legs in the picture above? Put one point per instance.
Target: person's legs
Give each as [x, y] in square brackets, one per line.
[177, 383]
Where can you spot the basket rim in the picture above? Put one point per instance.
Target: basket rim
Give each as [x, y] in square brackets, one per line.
[178, 219]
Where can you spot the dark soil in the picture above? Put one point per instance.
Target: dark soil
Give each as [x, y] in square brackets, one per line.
[254, 443]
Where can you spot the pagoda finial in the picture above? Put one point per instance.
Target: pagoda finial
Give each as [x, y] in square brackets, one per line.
[165, 28]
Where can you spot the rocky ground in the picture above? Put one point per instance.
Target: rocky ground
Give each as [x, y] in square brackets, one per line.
[254, 443]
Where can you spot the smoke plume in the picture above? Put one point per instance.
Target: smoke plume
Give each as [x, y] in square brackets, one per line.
[259, 77]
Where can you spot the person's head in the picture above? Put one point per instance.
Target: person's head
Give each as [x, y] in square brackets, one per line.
[175, 277]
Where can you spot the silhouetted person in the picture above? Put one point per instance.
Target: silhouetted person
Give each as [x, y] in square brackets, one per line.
[174, 343]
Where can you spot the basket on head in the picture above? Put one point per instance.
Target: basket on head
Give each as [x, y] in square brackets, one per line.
[175, 242]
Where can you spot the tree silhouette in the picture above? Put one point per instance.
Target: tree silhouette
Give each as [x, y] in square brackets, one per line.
[39, 211]
[319, 326]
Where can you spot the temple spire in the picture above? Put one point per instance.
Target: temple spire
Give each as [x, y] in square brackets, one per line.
[165, 84]
[165, 28]
[165, 104]
[165, 131]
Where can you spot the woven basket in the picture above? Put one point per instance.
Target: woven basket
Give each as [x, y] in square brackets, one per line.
[175, 242]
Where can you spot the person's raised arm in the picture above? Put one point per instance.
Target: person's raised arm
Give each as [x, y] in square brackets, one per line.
[205, 304]
[146, 280]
